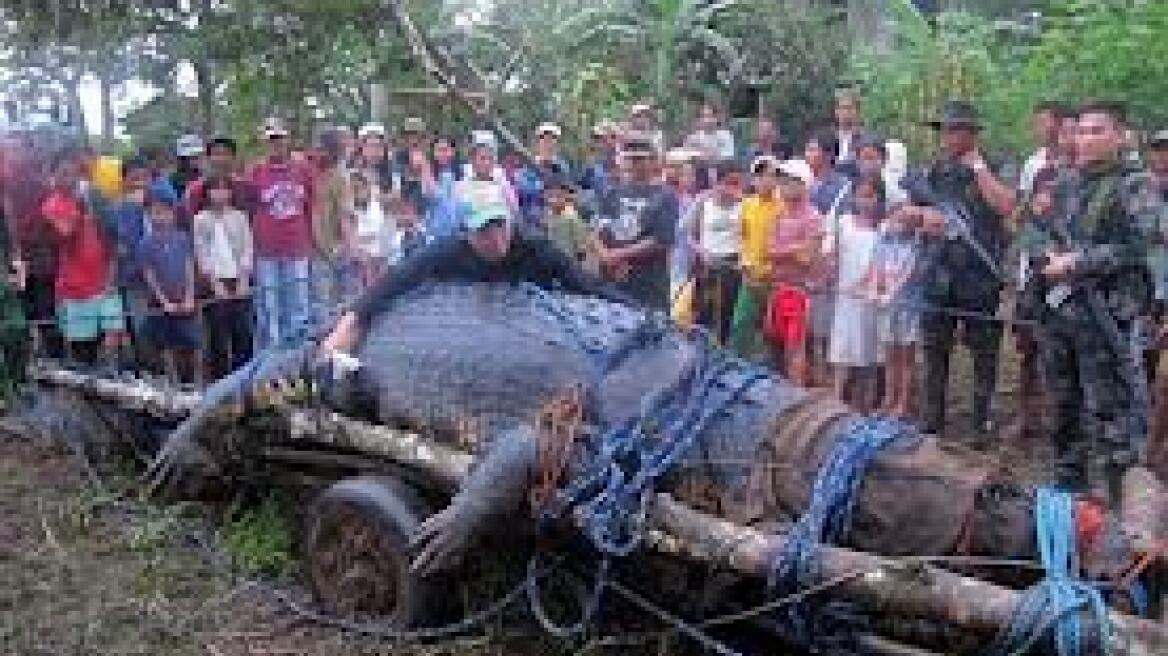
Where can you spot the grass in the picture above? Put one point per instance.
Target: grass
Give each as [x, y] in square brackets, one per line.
[259, 538]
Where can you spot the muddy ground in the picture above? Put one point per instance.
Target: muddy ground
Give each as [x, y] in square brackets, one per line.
[85, 570]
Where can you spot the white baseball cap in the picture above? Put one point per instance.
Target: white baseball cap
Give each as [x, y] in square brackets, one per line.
[549, 128]
[798, 169]
[189, 145]
[484, 139]
[371, 130]
[274, 127]
[640, 108]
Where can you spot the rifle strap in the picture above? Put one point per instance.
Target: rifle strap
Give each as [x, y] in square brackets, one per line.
[1098, 204]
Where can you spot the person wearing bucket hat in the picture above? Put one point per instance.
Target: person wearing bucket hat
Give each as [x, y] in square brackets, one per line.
[957, 274]
[492, 249]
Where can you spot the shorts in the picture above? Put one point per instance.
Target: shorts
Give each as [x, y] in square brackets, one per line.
[788, 312]
[175, 332]
[86, 320]
[898, 326]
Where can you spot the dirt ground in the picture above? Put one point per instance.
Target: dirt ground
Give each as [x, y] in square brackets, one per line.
[86, 571]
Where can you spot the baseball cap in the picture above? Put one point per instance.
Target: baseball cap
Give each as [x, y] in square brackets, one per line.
[481, 217]
[638, 145]
[640, 108]
[274, 127]
[798, 169]
[604, 128]
[371, 130]
[189, 145]
[484, 139]
[681, 155]
[548, 128]
[413, 124]
[771, 163]
[159, 196]
[1159, 138]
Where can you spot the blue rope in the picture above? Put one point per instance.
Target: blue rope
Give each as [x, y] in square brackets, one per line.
[1054, 604]
[833, 497]
[829, 511]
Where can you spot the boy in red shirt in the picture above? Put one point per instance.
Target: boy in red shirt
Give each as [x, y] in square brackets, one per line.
[284, 246]
[88, 305]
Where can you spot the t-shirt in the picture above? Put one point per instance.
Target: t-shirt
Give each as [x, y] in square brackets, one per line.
[895, 260]
[283, 213]
[630, 214]
[168, 254]
[758, 223]
[130, 228]
[530, 258]
[84, 259]
[800, 227]
[568, 232]
[223, 244]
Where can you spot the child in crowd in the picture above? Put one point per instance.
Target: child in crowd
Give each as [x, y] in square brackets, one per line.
[760, 213]
[89, 308]
[716, 243]
[853, 348]
[406, 231]
[224, 254]
[563, 224]
[372, 230]
[168, 266]
[795, 254]
[898, 297]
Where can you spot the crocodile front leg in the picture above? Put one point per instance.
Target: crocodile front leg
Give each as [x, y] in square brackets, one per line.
[497, 488]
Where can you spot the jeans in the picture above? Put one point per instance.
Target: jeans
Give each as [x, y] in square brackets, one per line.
[334, 284]
[284, 302]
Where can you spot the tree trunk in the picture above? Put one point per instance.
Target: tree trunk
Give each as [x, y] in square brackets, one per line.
[108, 120]
[76, 110]
[206, 87]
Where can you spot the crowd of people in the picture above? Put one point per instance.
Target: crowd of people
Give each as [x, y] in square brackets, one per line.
[826, 257]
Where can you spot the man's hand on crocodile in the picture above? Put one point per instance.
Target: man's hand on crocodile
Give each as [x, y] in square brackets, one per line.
[342, 339]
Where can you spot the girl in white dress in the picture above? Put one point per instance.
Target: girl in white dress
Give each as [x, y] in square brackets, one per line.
[372, 230]
[854, 346]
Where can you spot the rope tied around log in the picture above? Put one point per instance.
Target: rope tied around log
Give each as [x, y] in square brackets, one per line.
[829, 511]
[1055, 603]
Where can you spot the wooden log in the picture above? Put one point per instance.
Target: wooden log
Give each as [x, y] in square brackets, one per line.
[902, 587]
[1144, 512]
[136, 394]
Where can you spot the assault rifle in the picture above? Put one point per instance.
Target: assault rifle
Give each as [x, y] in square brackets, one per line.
[958, 219]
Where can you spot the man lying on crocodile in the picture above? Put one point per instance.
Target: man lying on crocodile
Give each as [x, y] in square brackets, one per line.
[659, 411]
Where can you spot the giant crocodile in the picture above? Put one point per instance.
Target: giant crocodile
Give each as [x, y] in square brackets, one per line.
[485, 359]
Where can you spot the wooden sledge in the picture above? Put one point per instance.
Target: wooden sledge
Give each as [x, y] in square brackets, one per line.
[380, 506]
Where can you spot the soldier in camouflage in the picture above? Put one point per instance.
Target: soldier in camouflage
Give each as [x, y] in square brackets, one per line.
[1095, 287]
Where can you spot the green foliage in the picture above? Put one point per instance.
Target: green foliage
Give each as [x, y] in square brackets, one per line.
[1085, 49]
[1105, 50]
[259, 538]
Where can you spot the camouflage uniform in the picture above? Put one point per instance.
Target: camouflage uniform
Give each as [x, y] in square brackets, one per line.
[13, 329]
[1089, 358]
[956, 278]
